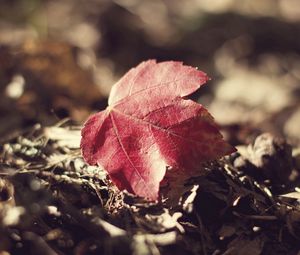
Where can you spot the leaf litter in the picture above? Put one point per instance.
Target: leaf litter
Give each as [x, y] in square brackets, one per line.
[260, 50]
[52, 202]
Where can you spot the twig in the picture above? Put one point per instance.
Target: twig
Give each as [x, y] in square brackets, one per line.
[256, 217]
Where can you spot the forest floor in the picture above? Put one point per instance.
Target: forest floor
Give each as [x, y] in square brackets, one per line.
[52, 78]
[52, 202]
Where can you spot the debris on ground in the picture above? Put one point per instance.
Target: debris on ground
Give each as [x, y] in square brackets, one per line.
[52, 202]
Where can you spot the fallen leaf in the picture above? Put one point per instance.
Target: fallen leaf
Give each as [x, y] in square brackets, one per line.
[149, 124]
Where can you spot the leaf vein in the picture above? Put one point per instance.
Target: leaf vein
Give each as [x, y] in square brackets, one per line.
[125, 152]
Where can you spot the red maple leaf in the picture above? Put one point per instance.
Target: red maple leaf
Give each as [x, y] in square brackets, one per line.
[149, 125]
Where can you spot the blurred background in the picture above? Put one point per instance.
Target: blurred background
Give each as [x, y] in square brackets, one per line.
[59, 58]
